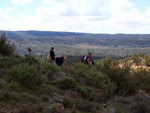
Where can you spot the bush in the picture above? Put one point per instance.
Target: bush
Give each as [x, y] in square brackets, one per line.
[66, 84]
[6, 49]
[68, 103]
[54, 108]
[78, 69]
[31, 60]
[121, 76]
[147, 61]
[86, 92]
[142, 78]
[8, 62]
[26, 75]
[70, 84]
[82, 73]
[52, 67]
[91, 77]
[137, 59]
[9, 96]
[108, 88]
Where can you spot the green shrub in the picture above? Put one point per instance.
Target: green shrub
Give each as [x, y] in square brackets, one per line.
[86, 92]
[66, 84]
[6, 49]
[26, 75]
[82, 73]
[137, 59]
[9, 96]
[121, 76]
[91, 77]
[147, 61]
[45, 89]
[68, 103]
[108, 88]
[54, 108]
[14, 86]
[8, 62]
[52, 67]
[142, 79]
[70, 84]
[78, 69]
[31, 60]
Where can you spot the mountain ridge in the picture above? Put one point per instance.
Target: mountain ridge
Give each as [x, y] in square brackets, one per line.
[38, 33]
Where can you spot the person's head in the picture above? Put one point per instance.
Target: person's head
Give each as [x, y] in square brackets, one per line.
[52, 48]
[65, 59]
[29, 50]
[89, 54]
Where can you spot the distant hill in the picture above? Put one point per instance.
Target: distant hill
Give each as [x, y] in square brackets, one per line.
[34, 33]
[72, 42]
[40, 33]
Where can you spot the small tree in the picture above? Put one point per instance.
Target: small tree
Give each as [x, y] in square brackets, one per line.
[6, 49]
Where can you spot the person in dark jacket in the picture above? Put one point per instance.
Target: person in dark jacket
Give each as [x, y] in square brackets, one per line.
[52, 54]
[59, 60]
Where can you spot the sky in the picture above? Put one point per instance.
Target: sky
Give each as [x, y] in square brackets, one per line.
[88, 16]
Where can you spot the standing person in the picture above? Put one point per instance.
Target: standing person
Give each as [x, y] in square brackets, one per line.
[59, 60]
[52, 54]
[29, 51]
[90, 61]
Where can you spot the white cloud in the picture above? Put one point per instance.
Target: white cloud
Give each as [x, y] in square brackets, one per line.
[6, 22]
[9, 9]
[51, 2]
[96, 16]
[21, 2]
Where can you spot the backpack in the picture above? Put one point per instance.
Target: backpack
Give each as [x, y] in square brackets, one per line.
[49, 58]
[84, 59]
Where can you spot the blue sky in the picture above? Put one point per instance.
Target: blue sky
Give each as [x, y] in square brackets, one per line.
[141, 5]
[92, 16]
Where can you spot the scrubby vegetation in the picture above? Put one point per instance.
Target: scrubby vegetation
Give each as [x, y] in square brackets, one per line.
[32, 85]
[6, 48]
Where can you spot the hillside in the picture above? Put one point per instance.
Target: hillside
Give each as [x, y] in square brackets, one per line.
[31, 85]
[68, 43]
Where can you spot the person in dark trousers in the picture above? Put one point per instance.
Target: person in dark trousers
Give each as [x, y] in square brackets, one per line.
[59, 60]
[52, 54]
[90, 61]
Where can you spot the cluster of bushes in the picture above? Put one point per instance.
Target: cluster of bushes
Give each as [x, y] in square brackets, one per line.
[70, 84]
[108, 78]
[26, 75]
[120, 75]
[6, 48]
[127, 81]
[91, 77]
[142, 78]
[141, 59]
[15, 60]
